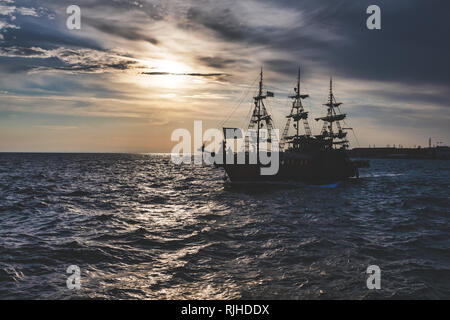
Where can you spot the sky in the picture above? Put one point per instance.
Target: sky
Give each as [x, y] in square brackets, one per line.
[137, 70]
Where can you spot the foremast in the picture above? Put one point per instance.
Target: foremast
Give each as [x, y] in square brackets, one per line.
[260, 115]
[333, 135]
[297, 114]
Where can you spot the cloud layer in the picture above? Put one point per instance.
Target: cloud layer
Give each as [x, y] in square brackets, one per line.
[142, 60]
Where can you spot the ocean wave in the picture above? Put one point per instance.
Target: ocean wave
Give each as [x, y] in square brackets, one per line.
[141, 227]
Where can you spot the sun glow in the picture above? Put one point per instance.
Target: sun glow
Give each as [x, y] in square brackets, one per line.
[166, 73]
[170, 67]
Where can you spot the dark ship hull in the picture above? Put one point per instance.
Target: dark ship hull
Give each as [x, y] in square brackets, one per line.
[315, 168]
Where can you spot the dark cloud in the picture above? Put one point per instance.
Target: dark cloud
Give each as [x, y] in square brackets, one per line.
[401, 117]
[154, 9]
[287, 67]
[184, 74]
[117, 28]
[220, 62]
[409, 48]
[17, 65]
[47, 34]
[436, 98]
[227, 25]
[87, 68]
[22, 51]
[223, 22]
[22, 59]
[55, 87]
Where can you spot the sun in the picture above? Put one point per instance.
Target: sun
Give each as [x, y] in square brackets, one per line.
[168, 74]
[169, 66]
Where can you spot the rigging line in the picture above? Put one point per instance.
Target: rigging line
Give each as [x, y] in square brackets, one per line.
[266, 105]
[350, 128]
[235, 108]
[289, 108]
[243, 96]
[353, 131]
[246, 119]
[270, 112]
[309, 108]
[356, 138]
[275, 122]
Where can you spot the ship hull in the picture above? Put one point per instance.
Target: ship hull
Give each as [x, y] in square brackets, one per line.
[322, 167]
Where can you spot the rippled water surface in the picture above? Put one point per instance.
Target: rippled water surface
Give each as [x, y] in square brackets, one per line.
[139, 226]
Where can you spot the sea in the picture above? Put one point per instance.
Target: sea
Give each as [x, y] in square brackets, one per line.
[137, 226]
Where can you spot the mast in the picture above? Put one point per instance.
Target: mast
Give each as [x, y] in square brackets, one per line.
[296, 97]
[258, 105]
[260, 114]
[333, 116]
[297, 113]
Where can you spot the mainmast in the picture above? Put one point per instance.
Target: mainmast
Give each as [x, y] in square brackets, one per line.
[297, 114]
[333, 116]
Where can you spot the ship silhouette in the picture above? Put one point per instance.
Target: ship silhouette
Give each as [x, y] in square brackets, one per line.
[303, 157]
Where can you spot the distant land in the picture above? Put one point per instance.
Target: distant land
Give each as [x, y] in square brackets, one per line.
[439, 152]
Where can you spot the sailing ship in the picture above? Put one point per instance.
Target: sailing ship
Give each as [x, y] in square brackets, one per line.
[303, 157]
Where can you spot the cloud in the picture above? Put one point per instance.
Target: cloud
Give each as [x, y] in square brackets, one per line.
[184, 74]
[33, 52]
[46, 34]
[4, 26]
[388, 115]
[223, 22]
[7, 10]
[117, 28]
[27, 12]
[421, 97]
[220, 62]
[92, 68]
[66, 59]
[401, 71]
[9, 14]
